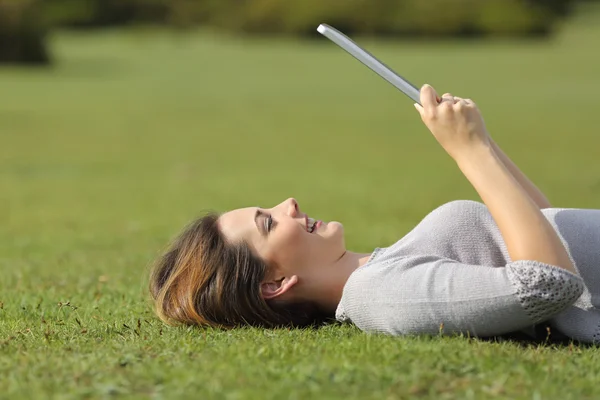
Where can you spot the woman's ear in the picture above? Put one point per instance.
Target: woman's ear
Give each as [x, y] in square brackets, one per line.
[273, 289]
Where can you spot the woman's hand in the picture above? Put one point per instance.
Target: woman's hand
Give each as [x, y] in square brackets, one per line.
[456, 123]
[536, 195]
[458, 126]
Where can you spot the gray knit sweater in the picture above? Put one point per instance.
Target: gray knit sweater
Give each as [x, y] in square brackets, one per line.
[452, 274]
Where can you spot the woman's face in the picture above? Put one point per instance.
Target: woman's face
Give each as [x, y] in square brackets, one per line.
[282, 237]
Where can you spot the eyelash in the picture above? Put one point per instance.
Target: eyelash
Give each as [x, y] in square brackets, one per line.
[269, 223]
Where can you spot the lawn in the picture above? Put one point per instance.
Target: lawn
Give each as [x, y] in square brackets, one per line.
[132, 134]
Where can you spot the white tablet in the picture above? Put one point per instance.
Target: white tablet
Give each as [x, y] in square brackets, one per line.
[370, 61]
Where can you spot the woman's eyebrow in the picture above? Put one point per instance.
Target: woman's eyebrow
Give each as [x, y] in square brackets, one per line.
[256, 216]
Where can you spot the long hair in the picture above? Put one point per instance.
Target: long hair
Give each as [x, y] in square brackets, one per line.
[201, 279]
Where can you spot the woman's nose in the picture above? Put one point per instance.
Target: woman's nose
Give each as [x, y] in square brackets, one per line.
[292, 207]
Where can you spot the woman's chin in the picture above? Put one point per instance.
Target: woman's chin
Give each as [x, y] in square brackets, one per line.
[336, 225]
[331, 228]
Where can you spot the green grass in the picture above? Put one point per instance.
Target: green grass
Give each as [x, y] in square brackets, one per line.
[104, 157]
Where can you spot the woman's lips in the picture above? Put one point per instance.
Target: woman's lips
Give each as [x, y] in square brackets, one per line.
[311, 222]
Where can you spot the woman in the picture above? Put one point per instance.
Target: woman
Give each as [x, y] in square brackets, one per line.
[479, 269]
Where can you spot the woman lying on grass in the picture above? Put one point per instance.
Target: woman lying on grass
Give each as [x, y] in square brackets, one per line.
[482, 270]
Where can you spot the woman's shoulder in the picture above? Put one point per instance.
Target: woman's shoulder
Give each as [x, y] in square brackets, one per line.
[452, 211]
[460, 206]
[450, 230]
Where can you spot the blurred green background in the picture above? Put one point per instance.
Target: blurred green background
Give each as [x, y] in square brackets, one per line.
[24, 24]
[120, 121]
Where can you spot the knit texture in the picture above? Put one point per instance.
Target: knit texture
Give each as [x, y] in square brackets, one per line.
[452, 274]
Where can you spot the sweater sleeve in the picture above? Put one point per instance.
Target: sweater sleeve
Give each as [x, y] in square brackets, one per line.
[429, 295]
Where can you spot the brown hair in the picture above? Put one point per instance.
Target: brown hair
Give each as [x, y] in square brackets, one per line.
[203, 280]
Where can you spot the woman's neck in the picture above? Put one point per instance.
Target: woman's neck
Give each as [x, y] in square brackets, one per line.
[327, 287]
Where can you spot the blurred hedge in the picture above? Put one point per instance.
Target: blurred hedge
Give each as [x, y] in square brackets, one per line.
[389, 17]
[103, 13]
[22, 33]
[301, 17]
[23, 22]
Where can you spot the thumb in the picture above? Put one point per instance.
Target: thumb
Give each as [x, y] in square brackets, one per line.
[429, 97]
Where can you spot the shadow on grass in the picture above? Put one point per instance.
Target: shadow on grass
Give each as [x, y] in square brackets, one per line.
[544, 336]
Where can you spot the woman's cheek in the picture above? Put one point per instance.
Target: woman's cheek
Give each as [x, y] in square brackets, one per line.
[293, 233]
[289, 238]
[292, 249]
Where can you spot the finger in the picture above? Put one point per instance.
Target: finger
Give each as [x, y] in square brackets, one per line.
[451, 99]
[428, 98]
[445, 107]
[457, 99]
[460, 104]
[448, 98]
[441, 98]
[463, 103]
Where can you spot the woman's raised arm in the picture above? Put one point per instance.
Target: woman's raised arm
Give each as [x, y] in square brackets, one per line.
[460, 130]
[532, 190]
[536, 195]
